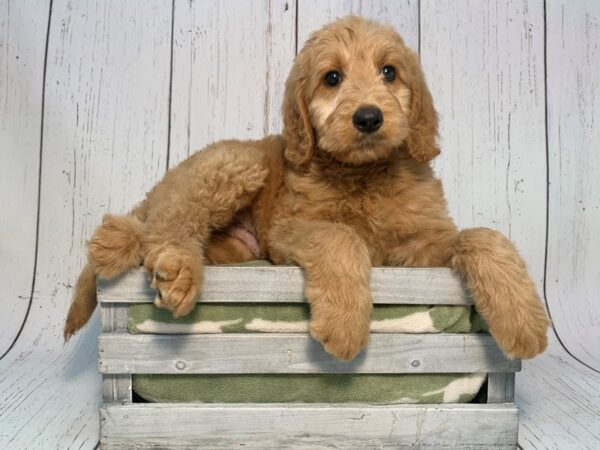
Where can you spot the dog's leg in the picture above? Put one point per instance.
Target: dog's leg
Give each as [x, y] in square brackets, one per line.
[224, 249]
[503, 291]
[337, 268]
[496, 277]
[194, 199]
[170, 229]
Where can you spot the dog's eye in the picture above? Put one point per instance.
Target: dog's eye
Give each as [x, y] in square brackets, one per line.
[333, 78]
[389, 73]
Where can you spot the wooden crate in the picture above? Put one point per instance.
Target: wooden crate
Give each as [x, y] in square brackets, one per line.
[125, 424]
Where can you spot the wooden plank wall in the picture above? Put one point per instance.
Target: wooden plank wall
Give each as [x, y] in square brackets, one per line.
[230, 61]
[573, 272]
[22, 43]
[485, 63]
[99, 97]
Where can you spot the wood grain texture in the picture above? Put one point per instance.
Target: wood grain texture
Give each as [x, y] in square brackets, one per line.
[485, 67]
[438, 286]
[309, 426]
[104, 145]
[230, 62]
[573, 275]
[558, 402]
[501, 387]
[402, 14]
[298, 353]
[115, 388]
[22, 46]
[114, 318]
[105, 134]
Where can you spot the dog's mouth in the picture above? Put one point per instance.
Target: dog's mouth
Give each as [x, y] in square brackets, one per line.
[365, 150]
[377, 142]
[367, 139]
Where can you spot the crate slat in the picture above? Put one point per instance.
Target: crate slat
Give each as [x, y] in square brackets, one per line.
[308, 426]
[501, 388]
[298, 353]
[115, 388]
[285, 284]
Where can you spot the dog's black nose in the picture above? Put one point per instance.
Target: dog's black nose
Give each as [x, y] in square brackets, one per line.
[367, 119]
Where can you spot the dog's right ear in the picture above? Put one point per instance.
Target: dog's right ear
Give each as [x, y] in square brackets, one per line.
[297, 129]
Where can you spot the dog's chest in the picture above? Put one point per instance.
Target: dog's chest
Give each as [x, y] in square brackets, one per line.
[376, 209]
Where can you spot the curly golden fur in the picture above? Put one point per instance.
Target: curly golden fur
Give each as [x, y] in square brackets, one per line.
[332, 198]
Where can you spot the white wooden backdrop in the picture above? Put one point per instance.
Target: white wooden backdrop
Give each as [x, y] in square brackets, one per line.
[99, 97]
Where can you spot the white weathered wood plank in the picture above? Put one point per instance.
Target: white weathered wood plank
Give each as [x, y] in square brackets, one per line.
[285, 284]
[23, 28]
[402, 14]
[105, 129]
[558, 400]
[49, 398]
[573, 276]
[115, 388]
[230, 62]
[114, 318]
[298, 353]
[484, 63]
[309, 426]
[104, 145]
[501, 387]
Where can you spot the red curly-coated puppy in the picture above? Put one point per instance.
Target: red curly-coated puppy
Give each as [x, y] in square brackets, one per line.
[348, 186]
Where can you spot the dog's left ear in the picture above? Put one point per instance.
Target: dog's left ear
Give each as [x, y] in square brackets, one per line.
[421, 144]
[297, 129]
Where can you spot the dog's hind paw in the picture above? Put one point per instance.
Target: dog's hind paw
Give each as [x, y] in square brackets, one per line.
[177, 276]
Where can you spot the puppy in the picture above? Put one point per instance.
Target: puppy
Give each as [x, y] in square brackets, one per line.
[348, 186]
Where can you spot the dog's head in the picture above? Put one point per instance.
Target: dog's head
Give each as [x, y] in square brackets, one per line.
[357, 92]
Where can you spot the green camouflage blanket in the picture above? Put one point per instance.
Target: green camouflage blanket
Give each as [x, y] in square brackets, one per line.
[318, 388]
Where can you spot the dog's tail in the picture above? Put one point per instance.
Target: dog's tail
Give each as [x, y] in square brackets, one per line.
[502, 290]
[83, 303]
[116, 246]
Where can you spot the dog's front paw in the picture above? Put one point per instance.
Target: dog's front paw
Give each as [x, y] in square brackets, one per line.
[524, 341]
[343, 330]
[524, 334]
[177, 276]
